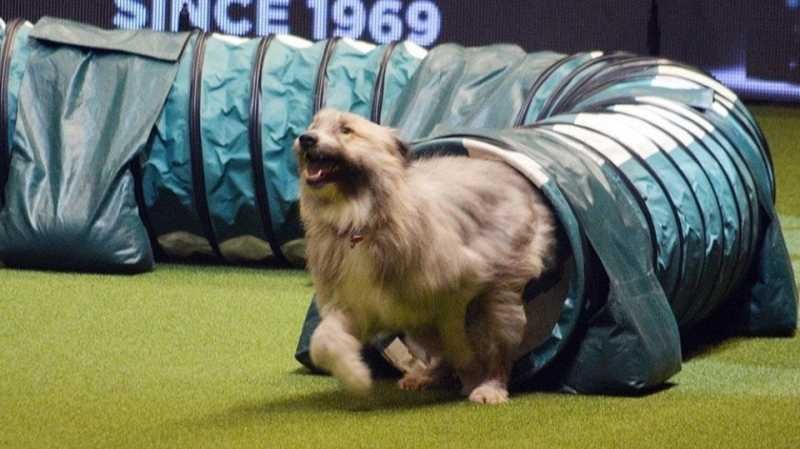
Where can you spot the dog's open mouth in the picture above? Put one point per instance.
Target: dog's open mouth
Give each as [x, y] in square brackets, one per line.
[321, 170]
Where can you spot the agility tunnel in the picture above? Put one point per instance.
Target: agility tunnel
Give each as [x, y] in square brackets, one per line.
[663, 185]
[125, 146]
[215, 175]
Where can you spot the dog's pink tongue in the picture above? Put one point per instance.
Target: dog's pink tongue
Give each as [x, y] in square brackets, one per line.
[316, 172]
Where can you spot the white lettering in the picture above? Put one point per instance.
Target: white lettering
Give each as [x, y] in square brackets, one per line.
[225, 23]
[320, 8]
[131, 14]
[158, 19]
[198, 13]
[273, 17]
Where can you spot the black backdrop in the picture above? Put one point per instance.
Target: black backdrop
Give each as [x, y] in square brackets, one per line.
[751, 45]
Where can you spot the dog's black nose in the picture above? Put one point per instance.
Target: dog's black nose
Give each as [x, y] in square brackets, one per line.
[307, 140]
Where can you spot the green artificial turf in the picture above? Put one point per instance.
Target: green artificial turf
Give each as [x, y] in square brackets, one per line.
[781, 126]
[201, 357]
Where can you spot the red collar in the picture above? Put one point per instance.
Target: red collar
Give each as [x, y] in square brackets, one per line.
[355, 239]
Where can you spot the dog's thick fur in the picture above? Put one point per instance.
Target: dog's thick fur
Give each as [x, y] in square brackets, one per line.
[438, 248]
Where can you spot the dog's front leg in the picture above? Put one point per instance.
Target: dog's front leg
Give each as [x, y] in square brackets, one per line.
[335, 348]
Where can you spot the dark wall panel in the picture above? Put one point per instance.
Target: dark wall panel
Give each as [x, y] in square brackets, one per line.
[753, 46]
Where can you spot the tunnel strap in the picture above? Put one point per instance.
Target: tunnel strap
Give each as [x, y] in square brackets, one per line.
[5, 69]
[196, 144]
[138, 187]
[380, 83]
[322, 78]
[256, 150]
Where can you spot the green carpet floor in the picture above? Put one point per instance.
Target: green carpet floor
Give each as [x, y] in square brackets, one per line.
[201, 357]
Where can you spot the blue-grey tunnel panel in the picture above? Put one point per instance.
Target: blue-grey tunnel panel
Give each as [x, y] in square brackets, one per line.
[143, 42]
[767, 303]
[351, 76]
[662, 86]
[747, 203]
[637, 311]
[14, 49]
[726, 219]
[532, 91]
[616, 72]
[687, 182]
[505, 97]
[610, 72]
[414, 115]
[652, 67]
[733, 103]
[658, 181]
[580, 75]
[661, 215]
[167, 173]
[224, 119]
[737, 175]
[737, 113]
[459, 79]
[403, 64]
[720, 117]
[53, 218]
[670, 71]
[544, 88]
[287, 106]
[710, 209]
[22, 48]
[680, 201]
[731, 198]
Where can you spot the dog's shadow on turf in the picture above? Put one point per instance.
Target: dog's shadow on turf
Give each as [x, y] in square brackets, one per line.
[385, 396]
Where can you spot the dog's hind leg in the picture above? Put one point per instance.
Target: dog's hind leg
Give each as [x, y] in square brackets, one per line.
[430, 369]
[456, 345]
[501, 330]
[335, 348]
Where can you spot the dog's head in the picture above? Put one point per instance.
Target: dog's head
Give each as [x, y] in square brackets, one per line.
[342, 152]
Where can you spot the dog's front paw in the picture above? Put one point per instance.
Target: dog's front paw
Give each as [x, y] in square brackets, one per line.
[489, 394]
[354, 375]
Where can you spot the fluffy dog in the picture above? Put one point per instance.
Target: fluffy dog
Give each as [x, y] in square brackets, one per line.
[439, 249]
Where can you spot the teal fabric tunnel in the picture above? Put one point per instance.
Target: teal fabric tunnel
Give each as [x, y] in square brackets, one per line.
[80, 120]
[13, 60]
[220, 179]
[217, 179]
[667, 179]
[120, 147]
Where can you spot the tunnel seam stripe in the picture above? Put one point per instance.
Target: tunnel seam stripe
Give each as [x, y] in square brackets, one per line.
[196, 145]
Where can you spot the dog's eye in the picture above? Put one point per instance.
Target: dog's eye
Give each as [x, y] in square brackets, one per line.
[346, 130]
